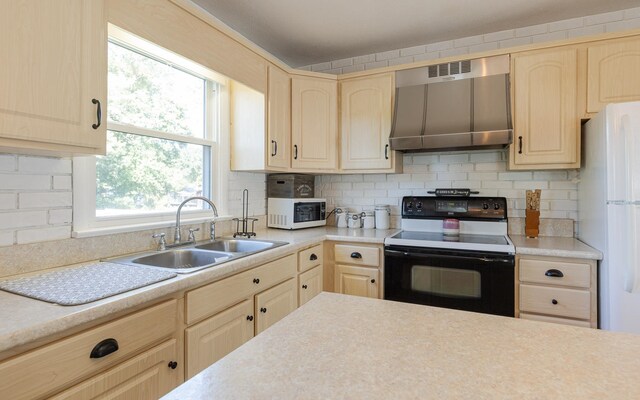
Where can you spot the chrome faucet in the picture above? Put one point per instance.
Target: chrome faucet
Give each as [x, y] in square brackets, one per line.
[212, 232]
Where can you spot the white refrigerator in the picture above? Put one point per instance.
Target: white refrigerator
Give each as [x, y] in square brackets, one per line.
[609, 210]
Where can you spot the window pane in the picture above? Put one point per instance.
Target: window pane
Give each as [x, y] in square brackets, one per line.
[149, 94]
[141, 174]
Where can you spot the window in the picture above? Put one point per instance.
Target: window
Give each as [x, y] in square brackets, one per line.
[163, 134]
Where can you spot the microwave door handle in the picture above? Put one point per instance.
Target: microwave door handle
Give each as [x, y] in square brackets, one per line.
[425, 255]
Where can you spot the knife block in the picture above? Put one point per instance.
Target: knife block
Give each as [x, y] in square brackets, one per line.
[532, 223]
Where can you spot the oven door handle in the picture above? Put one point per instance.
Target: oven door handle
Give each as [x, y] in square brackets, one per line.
[422, 255]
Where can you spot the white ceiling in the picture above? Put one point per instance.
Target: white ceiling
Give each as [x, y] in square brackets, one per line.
[303, 32]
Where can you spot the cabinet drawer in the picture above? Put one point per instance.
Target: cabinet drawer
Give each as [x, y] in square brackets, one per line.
[222, 294]
[42, 371]
[556, 320]
[310, 284]
[215, 337]
[310, 258]
[357, 255]
[569, 303]
[555, 273]
[145, 377]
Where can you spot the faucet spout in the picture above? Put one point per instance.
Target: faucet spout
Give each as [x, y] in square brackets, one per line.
[177, 236]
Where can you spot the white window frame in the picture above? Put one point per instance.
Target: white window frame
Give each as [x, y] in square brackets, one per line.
[85, 221]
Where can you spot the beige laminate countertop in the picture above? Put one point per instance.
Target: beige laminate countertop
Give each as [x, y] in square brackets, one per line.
[554, 247]
[339, 346]
[26, 321]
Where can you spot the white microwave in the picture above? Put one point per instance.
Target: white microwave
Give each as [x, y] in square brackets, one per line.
[296, 213]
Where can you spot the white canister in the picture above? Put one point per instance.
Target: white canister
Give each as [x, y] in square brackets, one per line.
[368, 219]
[354, 220]
[382, 217]
[341, 217]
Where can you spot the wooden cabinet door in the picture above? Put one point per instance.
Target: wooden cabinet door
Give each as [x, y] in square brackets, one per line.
[366, 106]
[274, 304]
[147, 376]
[310, 284]
[546, 122]
[54, 63]
[314, 124]
[279, 112]
[356, 281]
[214, 338]
[613, 72]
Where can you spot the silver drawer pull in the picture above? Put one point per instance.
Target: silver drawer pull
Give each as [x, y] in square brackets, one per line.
[554, 273]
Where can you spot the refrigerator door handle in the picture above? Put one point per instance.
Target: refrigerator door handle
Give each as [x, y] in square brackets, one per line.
[632, 275]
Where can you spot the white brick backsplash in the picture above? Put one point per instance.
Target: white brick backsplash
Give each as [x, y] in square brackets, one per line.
[468, 41]
[345, 62]
[387, 55]
[483, 47]
[44, 200]
[401, 60]
[24, 182]
[515, 176]
[44, 164]
[623, 25]
[505, 44]
[43, 234]
[60, 216]
[22, 219]
[461, 167]
[6, 238]
[439, 46]
[452, 176]
[566, 24]
[454, 158]
[353, 68]
[549, 37]
[604, 18]
[7, 162]
[376, 64]
[632, 13]
[364, 59]
[321, 66]
[585, 31]
[454, 52]
[532, 30]
[412, 185]
[62, 182]
[8, 201]
[498, 36]
[530, 185]
[412, 51]
[426, 56]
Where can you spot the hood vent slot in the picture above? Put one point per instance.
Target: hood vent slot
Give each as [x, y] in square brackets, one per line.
[456, 105]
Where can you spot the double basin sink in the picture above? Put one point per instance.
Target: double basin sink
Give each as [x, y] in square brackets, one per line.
[191, 258]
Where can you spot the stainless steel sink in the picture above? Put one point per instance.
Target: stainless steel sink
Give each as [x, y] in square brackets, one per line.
[239, 245]
[184, 260]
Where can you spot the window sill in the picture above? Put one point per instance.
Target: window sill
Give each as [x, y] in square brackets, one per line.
[110, 230]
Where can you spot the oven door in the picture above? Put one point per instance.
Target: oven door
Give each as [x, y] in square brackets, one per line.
[460, 279]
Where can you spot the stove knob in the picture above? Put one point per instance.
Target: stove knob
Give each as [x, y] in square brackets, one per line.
[419, 206]
[410, 205]
[485, 206]
[496, 206]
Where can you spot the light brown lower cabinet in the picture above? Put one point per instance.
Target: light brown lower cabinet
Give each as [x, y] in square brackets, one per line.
[276, 303]
[147, 376]
[357, 281]
[310, 284]
[558, 290]
[215, 337]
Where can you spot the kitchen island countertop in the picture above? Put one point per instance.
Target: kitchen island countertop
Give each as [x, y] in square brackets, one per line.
[339, 346]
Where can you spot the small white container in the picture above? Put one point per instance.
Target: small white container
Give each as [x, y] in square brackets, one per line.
[382, 217]
[368, 219]
[341, 217]
[354, 220]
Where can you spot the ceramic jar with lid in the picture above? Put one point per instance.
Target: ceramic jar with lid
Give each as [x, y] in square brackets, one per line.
[354, 220]
[368, 219]
[341, 217]
[382, 216]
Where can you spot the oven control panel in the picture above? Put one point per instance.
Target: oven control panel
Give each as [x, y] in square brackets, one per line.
[492, 208]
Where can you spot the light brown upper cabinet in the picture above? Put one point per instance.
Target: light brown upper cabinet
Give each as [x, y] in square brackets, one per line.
[279, 114]
[613, 72]
[254, 148]
[366, 107]
[546, 121]
[53, 76]
[314, 123]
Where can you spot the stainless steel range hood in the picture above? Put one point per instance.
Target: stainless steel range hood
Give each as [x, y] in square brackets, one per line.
[453, 106]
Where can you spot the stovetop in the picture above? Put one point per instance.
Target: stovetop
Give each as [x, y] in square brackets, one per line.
[437, 240]
[440, 237]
